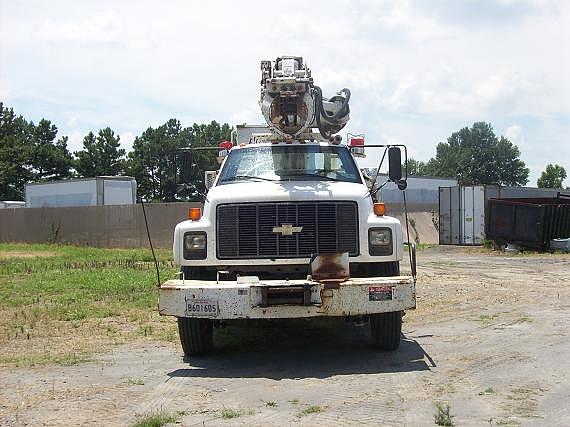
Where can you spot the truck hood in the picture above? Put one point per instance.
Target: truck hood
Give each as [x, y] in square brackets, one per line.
[286, 191]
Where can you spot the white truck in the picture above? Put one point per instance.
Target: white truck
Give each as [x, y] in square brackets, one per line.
[289, 228]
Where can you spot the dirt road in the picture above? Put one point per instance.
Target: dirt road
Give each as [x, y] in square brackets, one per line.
[490, 337]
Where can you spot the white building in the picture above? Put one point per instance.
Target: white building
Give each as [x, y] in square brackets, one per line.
[100, 190]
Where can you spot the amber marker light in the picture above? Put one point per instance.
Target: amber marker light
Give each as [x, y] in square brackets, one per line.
[194, 214]
[379, 209]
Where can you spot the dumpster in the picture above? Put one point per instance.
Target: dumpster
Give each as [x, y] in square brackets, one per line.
[530, 222]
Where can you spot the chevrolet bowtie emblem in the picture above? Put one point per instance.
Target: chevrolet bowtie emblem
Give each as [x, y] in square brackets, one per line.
[287, 229]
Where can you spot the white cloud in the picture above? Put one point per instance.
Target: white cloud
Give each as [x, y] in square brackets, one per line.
[75, 141]
[4, 91]
[417, 72]
[104, 28]
[246, 116]
[515, 134]
[127, 139]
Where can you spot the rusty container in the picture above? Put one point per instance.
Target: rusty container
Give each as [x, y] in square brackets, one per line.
[531, 222]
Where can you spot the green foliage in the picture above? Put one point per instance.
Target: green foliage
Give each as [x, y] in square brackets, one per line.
[419, 168]
[313, 409]
[229, 413]
[552, 177]
[101, 155]
[155, 159]
[476, 156]
[50, 159]
[78, 283]
[157, 419]
[30, 152]
[443, 415]
[14, 155]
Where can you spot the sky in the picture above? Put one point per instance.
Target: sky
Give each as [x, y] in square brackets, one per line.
[418, 70]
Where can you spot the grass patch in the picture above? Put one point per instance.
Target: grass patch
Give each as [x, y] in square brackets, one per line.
[443, 415]
[157, 419]
[228, 413]
[486, 318]
[44, 358]
[314, 409]
[488, 391]
[88, 296]
[294, 401]
[133, 381]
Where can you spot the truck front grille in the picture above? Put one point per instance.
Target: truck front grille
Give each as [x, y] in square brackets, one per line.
[246, 230]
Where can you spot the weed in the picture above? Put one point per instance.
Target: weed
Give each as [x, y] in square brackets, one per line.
[133, 381]
[294, 401]
[157, 419]
[435, 219]
[506, 422]
[230, 413]
[487, 391]
[412, 222]
[443, 415]
[314, 409]
[271, 403]
[487, 318]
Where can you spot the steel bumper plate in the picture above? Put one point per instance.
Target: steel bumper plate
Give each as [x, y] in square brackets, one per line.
[239, 300]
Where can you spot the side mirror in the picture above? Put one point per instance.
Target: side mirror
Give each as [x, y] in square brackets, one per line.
[186, 167]
[394, 164]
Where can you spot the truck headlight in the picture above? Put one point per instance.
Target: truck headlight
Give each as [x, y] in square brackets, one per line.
[195, 245]
[380, 241]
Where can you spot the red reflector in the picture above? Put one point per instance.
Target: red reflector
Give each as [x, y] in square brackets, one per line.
[227, 145]
[356, 142]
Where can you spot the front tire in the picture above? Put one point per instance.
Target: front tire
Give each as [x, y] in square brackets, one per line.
[386, 330]
[196, 335]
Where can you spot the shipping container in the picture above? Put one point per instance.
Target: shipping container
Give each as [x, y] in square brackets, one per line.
[461, 215]
[532, 222]
[101, 190]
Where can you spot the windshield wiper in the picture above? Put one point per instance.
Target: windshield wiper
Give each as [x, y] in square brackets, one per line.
[314, 175]
[238, 177]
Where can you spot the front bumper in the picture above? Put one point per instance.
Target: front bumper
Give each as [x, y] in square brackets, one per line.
[249, 298]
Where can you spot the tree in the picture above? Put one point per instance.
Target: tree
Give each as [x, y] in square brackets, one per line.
[14, 155]
[155, 159]
[49, 160]
[552, 177]
[476, 156]
[101, 155]
[420, 168]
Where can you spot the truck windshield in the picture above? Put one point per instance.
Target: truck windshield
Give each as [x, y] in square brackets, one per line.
[290, 163]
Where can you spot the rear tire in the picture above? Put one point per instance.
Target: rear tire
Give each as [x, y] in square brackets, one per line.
[196, 335]
[386, 330]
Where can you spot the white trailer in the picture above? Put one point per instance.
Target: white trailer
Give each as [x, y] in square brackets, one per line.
[97, 191]
[6, 204]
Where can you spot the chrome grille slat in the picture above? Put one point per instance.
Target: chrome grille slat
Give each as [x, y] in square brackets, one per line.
[246, 230]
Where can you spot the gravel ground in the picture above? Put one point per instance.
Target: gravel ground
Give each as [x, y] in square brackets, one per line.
[489, 338]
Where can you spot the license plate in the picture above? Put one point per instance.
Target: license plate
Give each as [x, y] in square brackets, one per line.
[202, 307]
[380, 293]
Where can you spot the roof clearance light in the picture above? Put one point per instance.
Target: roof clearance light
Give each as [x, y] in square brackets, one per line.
[194, 214]
[356, 142]
[226, 145]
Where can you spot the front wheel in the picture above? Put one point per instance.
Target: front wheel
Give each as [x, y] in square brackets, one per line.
[196, 335]
[385, 330]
